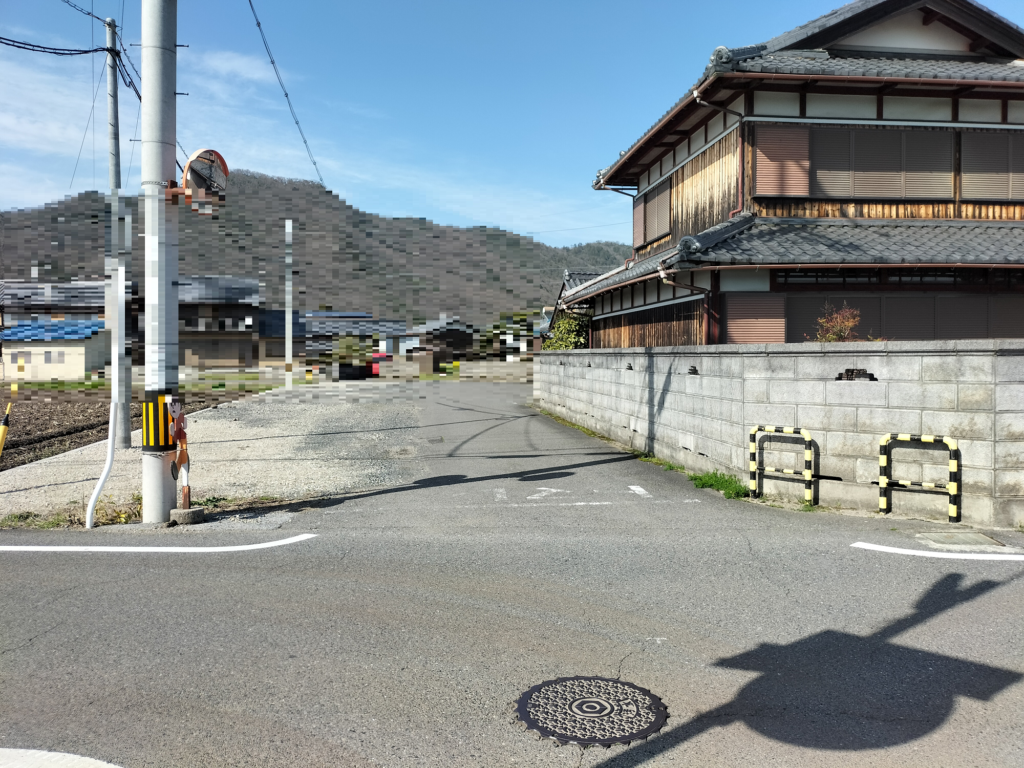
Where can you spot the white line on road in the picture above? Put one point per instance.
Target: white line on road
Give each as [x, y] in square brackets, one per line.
[500, 494]
[545, 492]
[639, 491]
[34, 758]
[237, 548]
[944, 555]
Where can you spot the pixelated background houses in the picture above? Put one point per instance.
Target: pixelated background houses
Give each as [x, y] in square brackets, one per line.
[406, 271]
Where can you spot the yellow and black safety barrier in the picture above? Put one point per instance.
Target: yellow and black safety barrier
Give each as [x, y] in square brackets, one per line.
[157, 432]
[808, 473]
[886, 483]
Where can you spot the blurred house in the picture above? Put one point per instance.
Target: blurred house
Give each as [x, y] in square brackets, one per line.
[53, 331]
[218, 321]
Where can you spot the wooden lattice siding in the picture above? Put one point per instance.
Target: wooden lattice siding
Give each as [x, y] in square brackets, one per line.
[833, 209]
[673, 325]
[656, 247]
[704, 190]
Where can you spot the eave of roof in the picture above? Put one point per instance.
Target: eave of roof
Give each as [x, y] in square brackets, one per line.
[749, 241]
[749, 61]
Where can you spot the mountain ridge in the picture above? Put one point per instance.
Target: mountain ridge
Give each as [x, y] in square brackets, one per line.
[343, 259]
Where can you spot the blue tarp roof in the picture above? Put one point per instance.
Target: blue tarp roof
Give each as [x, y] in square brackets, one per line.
[59, 330]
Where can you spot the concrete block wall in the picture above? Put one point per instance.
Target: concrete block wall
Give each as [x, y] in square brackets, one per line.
[970, 390]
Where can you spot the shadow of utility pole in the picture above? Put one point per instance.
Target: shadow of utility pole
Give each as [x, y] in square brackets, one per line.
[838, 691]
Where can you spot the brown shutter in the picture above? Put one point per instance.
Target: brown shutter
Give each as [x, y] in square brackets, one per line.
[657, 214]
[638, 221]
[783, 160]
[961, 317]
[1006, 317]
[802, 313]
[909, 318]
[830, 163]
[928, 164]
[985, 165]
[755, 318]
[1017, 167]
[878, 163]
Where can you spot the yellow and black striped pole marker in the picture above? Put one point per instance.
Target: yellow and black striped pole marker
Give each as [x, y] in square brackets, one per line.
[883, 473]
[5, 424]
[753, 461]
[885, 481]
[157, 432]
[808, 471]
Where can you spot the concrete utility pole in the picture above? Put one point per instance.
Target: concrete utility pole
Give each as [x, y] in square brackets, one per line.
[114, 315]
[113, 130]
[288, 304]
[159, 81]
[120, 362]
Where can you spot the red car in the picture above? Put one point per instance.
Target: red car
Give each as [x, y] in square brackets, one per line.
[375, 360]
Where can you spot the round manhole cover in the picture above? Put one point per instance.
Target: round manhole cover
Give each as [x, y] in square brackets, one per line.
[591, 710]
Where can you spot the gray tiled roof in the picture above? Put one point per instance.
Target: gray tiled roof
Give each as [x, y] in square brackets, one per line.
[795, 36]
[749, 240]
[571, 280]
[768, 241]
[779, 56]
[815, 63]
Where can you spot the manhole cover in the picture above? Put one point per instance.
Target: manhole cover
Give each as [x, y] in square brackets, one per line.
[591, 710]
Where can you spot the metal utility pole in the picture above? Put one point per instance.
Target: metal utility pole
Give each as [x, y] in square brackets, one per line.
[288, 304]
[159, 81]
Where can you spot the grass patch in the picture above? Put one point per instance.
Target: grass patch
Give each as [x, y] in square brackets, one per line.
[668, 466]
[107, 512]
[566, 423]
[730, 487]
[212, 501]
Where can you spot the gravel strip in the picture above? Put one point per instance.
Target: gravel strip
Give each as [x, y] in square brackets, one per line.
[315, 441]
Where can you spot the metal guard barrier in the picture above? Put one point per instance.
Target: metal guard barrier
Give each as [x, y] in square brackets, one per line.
[808, 459]
[885, 481]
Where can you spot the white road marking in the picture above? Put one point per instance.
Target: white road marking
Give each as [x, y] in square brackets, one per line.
[545, 492]
[237, 548]
[33, 758]
[942, 555]
[639, 491]
[657, 639]
[500, 495]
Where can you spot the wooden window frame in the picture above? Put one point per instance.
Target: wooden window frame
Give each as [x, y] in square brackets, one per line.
[1009, 280]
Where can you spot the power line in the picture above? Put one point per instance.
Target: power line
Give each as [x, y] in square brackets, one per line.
[132, 156]
[124, 52]
[573, 228]
[46, 49]
[87, 122]
[80, 9]
[285, 91]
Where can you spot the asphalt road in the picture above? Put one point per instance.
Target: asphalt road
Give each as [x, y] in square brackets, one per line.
[513, 550]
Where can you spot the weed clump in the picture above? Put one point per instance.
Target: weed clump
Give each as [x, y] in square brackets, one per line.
[730, 487]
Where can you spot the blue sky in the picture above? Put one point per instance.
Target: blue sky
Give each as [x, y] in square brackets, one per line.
[465, 113]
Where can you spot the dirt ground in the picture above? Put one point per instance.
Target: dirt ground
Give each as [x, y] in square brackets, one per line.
[46, 424]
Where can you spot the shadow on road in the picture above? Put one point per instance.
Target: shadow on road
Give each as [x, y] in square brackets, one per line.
[839, 691]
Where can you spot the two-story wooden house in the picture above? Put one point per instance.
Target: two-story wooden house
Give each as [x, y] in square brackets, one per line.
[873, 156]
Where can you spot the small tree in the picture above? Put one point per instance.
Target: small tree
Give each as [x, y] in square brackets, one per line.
[837, 324]
[570, 332]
